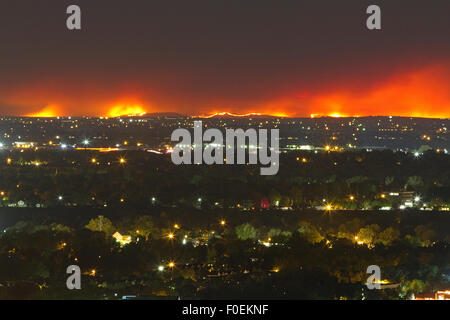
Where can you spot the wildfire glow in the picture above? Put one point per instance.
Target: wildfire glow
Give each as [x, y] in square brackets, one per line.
[226, 113]
[409, 92]
[333, 115]
[418, 93]
[126, 110]
[47, 112]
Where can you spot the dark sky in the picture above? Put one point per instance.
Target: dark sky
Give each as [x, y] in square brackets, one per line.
[198, 57]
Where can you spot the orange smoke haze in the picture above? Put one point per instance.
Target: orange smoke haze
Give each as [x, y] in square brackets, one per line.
[424, 93]
[47, 112]
[420, 93]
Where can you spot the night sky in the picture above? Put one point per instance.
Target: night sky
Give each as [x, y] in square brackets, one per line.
[293, 58]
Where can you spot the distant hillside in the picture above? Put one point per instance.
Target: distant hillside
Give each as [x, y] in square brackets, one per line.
[228, 115]
[157, 115]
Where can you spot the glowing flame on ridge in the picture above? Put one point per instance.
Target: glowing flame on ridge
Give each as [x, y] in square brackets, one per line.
[126, 110]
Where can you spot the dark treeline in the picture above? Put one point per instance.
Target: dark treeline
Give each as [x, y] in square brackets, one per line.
[141, 179]
[225, 254]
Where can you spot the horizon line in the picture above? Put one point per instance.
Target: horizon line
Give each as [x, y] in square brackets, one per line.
[224, 115]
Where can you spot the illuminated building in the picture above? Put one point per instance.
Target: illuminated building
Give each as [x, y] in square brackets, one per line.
[123, 240]
[438, 295]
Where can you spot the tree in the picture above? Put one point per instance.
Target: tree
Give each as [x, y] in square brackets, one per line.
[368, 234]
[278, 233]
[275, 197]
[246, 231]
[414, 182]
[349, 229]
[310, 232]
[144, 226]
[425, 234]
[101, 224]
[414, 286]
[388, 180]
[388, 235]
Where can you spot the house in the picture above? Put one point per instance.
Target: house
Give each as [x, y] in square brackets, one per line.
[123, 240]
[438, 295]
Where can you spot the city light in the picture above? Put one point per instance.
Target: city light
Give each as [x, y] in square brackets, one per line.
[266, 243]
[170, 236]
[62, 245]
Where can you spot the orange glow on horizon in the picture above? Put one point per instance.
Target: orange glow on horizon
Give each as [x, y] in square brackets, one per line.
[98, 149]
[227, 113]
[333, 115]
[421, 93]
[126, 110]
[410, 92]
[47, 112]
